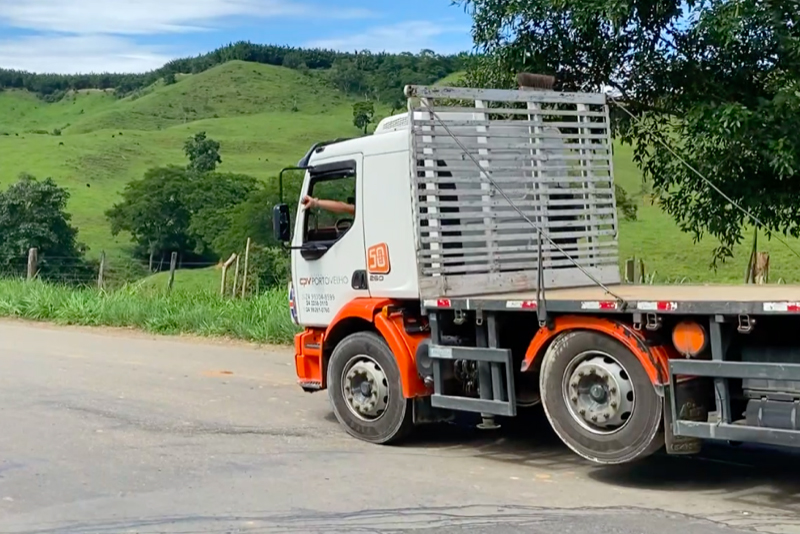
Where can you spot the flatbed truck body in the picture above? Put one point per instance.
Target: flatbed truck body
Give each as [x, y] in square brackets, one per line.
[480, 274]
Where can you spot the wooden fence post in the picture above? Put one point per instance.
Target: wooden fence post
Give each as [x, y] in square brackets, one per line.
[761, 272]
[101, 271]
[235, 277]
[173, 263]
[246, 261]
[33, 262]
[225, 274]
[630, 274]
[750, 272]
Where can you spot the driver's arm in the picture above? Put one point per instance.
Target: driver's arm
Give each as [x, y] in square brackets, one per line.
[329, 205]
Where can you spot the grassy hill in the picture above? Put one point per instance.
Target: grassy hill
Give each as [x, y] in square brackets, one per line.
[265, 118]
[455, 77]
[233, 89]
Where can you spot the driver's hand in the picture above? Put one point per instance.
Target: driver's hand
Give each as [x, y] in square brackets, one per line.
[307, 202]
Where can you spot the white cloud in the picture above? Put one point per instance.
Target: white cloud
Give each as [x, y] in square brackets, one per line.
[147, 16]
[408, 36]
[86, 53]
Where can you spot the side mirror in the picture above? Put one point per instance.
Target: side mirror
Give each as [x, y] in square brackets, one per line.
[280, 223]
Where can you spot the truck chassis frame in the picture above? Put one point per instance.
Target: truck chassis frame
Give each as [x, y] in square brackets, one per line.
[723, 320]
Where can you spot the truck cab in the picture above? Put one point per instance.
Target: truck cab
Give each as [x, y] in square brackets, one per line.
[336, 258]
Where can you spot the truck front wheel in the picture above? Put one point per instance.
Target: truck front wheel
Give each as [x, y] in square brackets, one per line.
[365, 390]
[599, 399]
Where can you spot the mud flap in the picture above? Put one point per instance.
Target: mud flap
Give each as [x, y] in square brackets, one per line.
[686, 399]
[425, 414]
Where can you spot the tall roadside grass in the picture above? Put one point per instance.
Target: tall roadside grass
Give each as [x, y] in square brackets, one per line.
[263, 319]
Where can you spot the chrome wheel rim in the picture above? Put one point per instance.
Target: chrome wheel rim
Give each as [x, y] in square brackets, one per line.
[365, 388]
[598, 392]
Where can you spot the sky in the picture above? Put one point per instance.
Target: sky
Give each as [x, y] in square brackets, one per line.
[71, 36]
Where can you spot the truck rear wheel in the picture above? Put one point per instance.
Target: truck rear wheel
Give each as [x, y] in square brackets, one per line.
[365, 390]
[599, 399]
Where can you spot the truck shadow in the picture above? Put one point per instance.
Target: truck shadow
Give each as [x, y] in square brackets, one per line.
[746, 475]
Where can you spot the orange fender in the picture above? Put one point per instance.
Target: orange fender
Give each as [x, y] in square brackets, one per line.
[404, 347]
[308, 344]
[654, 359]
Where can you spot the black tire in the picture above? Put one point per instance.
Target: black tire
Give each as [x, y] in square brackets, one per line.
[642, 434]
[397, 419]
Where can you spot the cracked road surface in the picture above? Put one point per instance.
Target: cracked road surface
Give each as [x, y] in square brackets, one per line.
[106, 432]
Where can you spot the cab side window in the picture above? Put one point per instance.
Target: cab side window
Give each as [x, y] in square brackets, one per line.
[323, 226]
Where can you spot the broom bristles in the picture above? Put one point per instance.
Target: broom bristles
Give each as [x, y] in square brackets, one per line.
[535, 81]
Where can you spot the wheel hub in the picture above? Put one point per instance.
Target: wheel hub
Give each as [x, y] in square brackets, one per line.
[599, 393]
[366, 389]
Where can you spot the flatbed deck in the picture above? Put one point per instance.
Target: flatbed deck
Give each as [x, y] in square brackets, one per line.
[625, 298]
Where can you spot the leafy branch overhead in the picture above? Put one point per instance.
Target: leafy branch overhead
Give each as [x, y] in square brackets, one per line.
[717, 81]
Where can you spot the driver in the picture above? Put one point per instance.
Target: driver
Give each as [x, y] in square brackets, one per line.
[333, 206]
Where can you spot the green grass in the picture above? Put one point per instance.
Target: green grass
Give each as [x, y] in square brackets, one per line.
[23, 112]
[233, 89]
[186, 280]
[262, 319]
[452, 78]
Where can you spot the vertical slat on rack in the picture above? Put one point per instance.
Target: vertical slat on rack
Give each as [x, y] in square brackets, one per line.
[485, 185]
[539, 187]
[433, 222]
[588, 176]
[610, 145]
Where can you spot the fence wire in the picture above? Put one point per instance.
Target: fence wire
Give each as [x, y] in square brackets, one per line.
[114, 272]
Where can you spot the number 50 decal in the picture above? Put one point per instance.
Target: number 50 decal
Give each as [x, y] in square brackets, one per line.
[378, 259]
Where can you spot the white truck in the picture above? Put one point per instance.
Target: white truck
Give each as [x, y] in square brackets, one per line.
[480, 274]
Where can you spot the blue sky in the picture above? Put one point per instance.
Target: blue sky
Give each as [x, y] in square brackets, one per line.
[69, 36]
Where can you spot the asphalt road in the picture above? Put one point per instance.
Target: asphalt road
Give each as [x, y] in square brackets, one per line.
[108, 432]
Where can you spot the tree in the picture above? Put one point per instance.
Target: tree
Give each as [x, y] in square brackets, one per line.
[174, 209]
[363, 114]
[210, 200]
[33, 215]
[203, 153]
[154, 212]
[717, 82]
[397, 105]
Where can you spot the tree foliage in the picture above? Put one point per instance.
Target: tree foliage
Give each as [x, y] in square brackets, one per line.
[196, 212]
[203, 153]
[33, 215]
[174, 209]
[717, 81]
[381, 76]
[363, 115]
[154, 212]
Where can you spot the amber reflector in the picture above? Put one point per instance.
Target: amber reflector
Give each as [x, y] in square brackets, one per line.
[689, 338]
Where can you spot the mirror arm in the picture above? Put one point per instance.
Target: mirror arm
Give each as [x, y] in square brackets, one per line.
[280, 179]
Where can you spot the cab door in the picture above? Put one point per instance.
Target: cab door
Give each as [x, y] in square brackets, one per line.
[328, 258]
